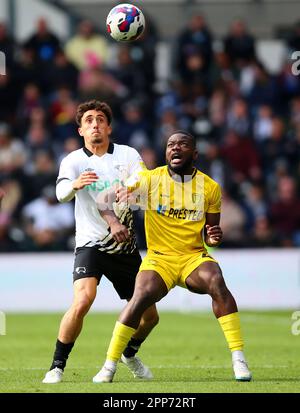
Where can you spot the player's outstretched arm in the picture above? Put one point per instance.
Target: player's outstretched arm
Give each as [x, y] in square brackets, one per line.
[66, 188]
[213, 232]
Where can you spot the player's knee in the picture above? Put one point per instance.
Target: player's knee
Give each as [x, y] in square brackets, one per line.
[81, 307]
[143, 297]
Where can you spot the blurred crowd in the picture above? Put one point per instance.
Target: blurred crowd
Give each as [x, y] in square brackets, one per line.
[246, 121]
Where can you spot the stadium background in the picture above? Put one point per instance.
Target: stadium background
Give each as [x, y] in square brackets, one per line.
[239, 97]
[236, 94]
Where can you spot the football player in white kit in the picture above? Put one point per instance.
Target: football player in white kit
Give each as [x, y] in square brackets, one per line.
[105, 240]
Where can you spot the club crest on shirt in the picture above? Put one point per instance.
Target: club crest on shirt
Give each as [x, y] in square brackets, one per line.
[196, 197]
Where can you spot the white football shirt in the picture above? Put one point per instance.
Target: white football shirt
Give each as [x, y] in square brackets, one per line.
[116, 165]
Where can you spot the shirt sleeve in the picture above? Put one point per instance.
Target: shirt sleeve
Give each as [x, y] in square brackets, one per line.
[137, 170]
[214, 206]
[66, 170]
[135, 163]
[66, 175]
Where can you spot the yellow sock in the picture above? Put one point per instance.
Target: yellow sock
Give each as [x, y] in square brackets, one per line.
[121, 335]
[230, 325]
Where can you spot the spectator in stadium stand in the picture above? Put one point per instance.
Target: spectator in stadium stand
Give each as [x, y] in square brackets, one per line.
[143, 52]
[214, 165]
[238, 118]
[293, 39]
[242, 156]
[105, 241]
[31, 99]
[264, 90]
[9, 94]
[47, 223]
[217, 110]
[239, 44]
[10, 199]
[7, 44]
[288, 84]
[176, 255]
[133, 128]
[167, 123]
[71, 144]
[26, 70]
[44, 43]
[61, 73]
[13, 153]
[275, 149]
[127, 72]
[195, 38]
[86, 45]
[233, 221]
[285, 212]
[95, 82]
[254, 203]
[64, 124]
[262, 123]
[40, 172]
[262, 235]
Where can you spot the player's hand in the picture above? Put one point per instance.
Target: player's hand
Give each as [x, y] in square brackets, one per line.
[214, 235]
[119, 232]
[122, 194]
[125, 197]
[84, 179]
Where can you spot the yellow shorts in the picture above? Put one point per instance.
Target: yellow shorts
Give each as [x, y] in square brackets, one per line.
[174, 269]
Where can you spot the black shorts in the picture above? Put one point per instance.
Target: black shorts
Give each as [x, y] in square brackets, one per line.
[120, 269]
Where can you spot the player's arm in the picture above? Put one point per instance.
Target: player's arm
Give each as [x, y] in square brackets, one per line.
[69, 182]
[131, 188]
[118, 231]
[212, 231]
[66, 188]
[120, 194]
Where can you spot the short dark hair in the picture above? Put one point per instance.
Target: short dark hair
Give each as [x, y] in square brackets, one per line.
[187, 134]
[93, 105]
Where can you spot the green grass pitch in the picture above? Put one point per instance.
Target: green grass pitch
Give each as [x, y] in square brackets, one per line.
[186, 352]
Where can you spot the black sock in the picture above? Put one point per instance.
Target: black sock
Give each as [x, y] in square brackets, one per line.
[132, 347]
[61, 355]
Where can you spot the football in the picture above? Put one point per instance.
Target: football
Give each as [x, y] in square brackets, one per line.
[125, 22]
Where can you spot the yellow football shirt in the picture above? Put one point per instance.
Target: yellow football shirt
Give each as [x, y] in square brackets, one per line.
[175, 211]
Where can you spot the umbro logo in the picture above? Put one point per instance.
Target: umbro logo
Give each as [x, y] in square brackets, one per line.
[120, 168]
[80, 270]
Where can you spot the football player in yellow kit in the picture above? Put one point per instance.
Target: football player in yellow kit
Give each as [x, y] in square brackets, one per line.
[183, 207]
